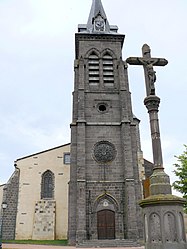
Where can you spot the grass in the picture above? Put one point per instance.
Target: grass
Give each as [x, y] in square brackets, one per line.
[38, 242]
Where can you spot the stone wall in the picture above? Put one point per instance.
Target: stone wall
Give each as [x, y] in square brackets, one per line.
[10, 196]
[1, 193]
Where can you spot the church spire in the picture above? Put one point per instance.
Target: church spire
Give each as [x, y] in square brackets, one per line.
[97, 21]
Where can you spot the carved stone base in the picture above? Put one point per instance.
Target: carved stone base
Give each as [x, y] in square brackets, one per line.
[164, 222]
[163, 215]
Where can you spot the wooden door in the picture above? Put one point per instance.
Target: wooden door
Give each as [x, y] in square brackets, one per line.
[106, 224]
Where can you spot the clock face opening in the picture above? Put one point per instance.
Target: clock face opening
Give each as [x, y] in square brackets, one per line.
[99, 24]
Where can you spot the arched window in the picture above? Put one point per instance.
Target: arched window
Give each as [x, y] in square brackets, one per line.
[108, 70]
[93, 67]
[47, 186]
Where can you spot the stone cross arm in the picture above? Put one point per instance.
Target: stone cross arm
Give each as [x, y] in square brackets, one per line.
[144, 61]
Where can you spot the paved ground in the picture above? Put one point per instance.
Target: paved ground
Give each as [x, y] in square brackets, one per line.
[16, 246]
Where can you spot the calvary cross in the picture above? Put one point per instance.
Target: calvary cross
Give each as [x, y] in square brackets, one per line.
[148, 63]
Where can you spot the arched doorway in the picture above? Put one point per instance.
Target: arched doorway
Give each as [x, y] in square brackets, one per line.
[106, 224]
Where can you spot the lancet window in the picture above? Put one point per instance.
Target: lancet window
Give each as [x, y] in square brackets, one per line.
[47, 185]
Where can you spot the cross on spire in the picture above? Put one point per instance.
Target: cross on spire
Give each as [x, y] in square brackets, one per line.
[148, 62]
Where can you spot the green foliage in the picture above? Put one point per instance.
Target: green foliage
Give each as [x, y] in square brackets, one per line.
[181, 172]
[38, 242]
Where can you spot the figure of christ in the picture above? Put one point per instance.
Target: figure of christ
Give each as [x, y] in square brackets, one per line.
[148, 62]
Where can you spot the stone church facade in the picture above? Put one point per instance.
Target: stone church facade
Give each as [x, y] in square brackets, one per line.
[107, 166]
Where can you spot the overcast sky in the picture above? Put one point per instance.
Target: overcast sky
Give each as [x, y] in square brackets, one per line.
[36, 72]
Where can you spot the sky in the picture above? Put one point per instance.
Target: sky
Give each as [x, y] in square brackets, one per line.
[37, 53]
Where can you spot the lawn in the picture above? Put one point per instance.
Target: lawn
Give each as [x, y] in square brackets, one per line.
[38, 242]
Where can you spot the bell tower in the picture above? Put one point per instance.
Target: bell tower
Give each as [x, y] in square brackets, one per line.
[104, 187]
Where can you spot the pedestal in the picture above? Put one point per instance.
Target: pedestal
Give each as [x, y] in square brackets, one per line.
[163, 215]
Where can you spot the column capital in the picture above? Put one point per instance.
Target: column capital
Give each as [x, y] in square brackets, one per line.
[152, 103]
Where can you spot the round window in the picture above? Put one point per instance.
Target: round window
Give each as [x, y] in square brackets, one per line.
[104, 152]
[102, 107]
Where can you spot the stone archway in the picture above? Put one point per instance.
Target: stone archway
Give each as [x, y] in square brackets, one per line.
[105, 205]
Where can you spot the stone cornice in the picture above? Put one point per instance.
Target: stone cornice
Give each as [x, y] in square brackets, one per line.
[155, 200]
[94, 37]
[101, 123]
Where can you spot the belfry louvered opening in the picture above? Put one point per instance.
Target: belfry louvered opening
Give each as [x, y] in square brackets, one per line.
[93, 65]
[108, 70]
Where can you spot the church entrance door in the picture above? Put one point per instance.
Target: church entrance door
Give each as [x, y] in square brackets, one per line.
[106, 224]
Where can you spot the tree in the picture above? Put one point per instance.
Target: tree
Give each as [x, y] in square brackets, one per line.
[181, 172]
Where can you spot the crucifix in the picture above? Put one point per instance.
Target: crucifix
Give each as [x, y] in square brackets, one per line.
[160, 199]
[148, 62]
[151, 101]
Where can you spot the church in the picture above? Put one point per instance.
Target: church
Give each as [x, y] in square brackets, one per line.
[89, 189]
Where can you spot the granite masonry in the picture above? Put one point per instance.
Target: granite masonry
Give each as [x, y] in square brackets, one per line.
[104, 188]
[10, 196]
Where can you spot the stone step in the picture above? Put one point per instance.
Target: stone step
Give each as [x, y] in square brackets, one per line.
[108, 243]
